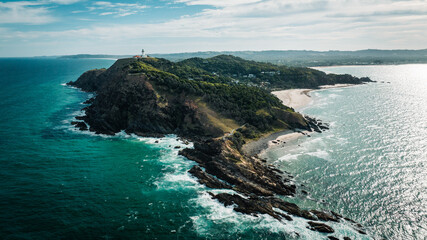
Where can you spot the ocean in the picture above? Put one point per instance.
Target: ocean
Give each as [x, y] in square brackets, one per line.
[60, 183]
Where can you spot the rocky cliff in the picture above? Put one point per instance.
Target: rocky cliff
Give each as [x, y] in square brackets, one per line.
[148, 102]
[136, 97]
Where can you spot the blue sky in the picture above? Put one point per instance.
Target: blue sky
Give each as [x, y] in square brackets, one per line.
[59, 27]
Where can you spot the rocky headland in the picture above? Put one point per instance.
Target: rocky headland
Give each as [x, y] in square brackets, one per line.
[154, 97]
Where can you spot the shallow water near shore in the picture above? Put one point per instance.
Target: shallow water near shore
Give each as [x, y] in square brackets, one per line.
[57, 182]
[371, 165]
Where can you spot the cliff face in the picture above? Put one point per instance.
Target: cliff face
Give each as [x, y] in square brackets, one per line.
[140, 102]
[129, 102]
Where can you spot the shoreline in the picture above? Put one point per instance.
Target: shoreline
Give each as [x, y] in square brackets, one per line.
[268, 142]
[297, 99]
[300, 97]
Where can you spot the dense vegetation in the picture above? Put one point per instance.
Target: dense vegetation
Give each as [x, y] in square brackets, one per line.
[240, 102]
[234, 87]
[232, 70]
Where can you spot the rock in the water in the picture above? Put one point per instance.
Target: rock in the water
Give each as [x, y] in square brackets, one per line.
[80, 125]
[80, 118]
[253, 205]
[207, 179]
[89, 101]
[248, 175]
[320, 227]
[324, 216]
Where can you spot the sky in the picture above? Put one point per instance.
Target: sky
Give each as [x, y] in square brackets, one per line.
[63, 27]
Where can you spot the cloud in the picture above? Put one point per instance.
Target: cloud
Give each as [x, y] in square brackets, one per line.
[30, 12]
[64, 2]
[24, 12]
[117, 9]
[255, 25]
[218, 3]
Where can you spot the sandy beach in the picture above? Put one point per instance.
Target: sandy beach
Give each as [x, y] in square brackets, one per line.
[297, 99]
[270, 141]
[294, 98]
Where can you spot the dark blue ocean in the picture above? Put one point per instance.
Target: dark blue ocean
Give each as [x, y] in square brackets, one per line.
[59, 183]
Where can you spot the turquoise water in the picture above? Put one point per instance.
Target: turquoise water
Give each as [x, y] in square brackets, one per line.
[60, 183]
[372, 165]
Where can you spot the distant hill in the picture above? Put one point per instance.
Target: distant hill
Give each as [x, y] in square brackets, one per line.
[316, 58]
[300, 57]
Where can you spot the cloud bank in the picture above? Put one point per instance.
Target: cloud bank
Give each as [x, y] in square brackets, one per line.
[251, 24]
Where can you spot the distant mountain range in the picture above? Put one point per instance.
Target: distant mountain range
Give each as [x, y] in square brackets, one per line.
[300, 57]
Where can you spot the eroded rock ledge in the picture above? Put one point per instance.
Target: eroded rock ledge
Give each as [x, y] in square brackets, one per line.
[259, 187]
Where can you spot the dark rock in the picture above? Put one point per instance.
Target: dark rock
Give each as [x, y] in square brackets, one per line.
[157, 141]
[177, 147]
[80, 125]
[89, 101]
[207, 179]
[336, 214]
[324, 216]
[291, 208]
[320, 227]
[333, 238]
[82, 118]
[247, 174]
[253, 205]
[323, 127]
[347, 238]
[89, 81]
[350, 220]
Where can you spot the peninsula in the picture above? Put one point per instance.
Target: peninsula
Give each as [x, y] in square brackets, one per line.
[221, 104]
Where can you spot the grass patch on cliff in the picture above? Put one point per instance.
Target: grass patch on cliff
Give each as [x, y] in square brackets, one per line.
[223, 123]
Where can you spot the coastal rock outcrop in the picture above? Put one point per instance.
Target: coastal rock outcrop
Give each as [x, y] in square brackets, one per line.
[258, 186]
[139, 96]
[320, 227]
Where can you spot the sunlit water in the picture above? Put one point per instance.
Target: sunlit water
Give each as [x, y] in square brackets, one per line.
[372, 164]
[59, 183]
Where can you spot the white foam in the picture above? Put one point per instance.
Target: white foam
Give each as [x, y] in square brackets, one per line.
[211, 222]
[77, 113]
[289, 157]
[320, 154]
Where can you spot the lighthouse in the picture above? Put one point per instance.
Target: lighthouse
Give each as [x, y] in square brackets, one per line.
[143, 53]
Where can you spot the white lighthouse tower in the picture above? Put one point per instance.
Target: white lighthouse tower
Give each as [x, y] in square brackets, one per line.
[143, 53]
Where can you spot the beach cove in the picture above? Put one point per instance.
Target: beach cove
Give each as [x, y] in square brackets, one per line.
[294, 98]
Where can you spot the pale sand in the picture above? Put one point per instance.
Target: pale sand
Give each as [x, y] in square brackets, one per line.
[299, 98]
[266, 143]
[295, 98]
